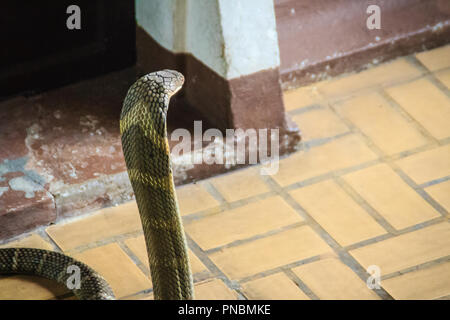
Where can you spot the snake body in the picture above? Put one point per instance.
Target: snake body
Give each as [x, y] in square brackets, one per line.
[145, 146]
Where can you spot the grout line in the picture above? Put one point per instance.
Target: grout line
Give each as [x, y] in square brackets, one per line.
[422, 193]
[421, 266]
[303, 286]
[368, 89]
[103, 242]
[444, 141]
[434, 182]
[349, 190]
[134, 258]
[255, 237]
[213, 269]
[396, 169]
[329, 175]
[319, 142]
[407, 116]
[367, 242]
[343, 255]
[215, 194]
[430, 75]
[304, 109]
[269, 272]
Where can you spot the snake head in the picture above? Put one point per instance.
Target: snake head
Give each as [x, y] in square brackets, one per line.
[172, 81]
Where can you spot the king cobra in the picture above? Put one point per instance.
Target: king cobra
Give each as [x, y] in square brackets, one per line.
[143, 129]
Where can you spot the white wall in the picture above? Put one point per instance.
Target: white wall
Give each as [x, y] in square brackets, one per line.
[232, 37]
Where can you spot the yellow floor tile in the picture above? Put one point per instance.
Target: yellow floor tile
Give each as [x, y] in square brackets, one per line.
[30, 241]
[385, 74]
[194, 198]
[406, 250]
[444, 77]
[24, 287]
[274, 287]
[426, 104]
[428, 165]
[137, 246]
[330, 279]
[124, 277]
[240, 184]
[270, 252]
[319, 124]
[441, 193]
[429, 283]
[241, 223]
[300, 97]
[341, 153]
[381, 123]
[103, 224]
[390, 196]
[435, 59]
[214, 290]
[337, 213]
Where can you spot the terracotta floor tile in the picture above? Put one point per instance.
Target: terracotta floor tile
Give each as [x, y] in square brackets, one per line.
[385, 74]
[137, 246]
[429, 283]
[441, 193]
[444, 77]
[406, 250]
[428, 165]
[435, 59]
[341, 153]
[214, 290]
[330, 279]
[241, 223]
[425, 103]
[301, 97]
[194, 198]
[240, 184]
[319, 124]
[31, 241]
[24, 287]
[274, 287]
[270, 252]
[337, 213]
[381, 123]
[124, 277]
[101, 225]
[390, 196]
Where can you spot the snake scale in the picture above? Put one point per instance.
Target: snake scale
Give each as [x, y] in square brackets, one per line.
[145, 146]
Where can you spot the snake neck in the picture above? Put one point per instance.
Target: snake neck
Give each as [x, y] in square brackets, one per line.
[143, 128]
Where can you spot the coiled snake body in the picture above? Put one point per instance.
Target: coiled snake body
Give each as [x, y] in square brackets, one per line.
[145, 146]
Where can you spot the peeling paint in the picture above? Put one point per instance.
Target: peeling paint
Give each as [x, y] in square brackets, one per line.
[18, 165]
[26, 185]
[3, 190]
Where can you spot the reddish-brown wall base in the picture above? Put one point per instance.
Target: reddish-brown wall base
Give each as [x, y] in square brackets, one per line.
[322, 38]
[252, 101]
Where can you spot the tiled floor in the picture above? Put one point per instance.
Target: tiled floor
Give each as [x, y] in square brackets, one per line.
[371, 186]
